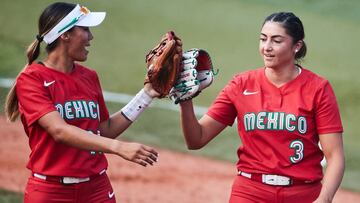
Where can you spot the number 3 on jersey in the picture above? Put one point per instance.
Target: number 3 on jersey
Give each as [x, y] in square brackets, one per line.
[298, 145]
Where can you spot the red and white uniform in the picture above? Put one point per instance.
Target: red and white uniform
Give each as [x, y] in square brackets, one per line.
[78, 98]
[279, 127]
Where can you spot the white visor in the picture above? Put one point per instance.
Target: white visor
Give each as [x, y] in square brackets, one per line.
[79, 16]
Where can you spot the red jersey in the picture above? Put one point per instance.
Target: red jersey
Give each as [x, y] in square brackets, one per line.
[77, 96]
[279, 127]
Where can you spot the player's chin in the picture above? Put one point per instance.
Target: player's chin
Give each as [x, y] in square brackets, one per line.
[82, 57]
[269, 63]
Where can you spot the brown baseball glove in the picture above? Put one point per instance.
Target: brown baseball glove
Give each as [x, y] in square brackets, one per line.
[163, 64]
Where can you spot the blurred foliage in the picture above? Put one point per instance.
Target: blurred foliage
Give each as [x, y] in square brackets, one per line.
[10, 197]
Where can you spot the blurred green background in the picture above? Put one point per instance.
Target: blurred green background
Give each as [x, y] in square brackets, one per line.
[228, 30]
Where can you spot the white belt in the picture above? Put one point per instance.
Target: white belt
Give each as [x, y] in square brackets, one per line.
[65, 180]
[268, 179]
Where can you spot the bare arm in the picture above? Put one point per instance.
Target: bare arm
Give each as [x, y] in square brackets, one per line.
[198, 133]
[79, 138]
[114, 126]
[332, 145]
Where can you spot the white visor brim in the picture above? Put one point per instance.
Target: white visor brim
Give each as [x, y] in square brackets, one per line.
[79, 16]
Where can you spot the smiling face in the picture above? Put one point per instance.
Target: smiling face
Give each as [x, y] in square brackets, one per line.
[79, 39]
[276, 46]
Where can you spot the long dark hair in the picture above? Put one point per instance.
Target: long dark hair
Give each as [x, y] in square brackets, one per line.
[50, 17]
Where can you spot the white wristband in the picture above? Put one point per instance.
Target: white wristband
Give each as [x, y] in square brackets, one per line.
[136, 106]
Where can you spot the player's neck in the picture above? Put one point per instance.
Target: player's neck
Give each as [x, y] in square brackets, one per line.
[59, 63]
[281, 76]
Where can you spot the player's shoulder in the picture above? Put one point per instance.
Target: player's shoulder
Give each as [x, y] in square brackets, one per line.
[248, 75]
[242, 78]
[313, 79]
[84, 70]
[32, 75]
[34, 70]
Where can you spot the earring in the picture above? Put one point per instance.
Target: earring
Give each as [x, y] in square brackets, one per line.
[296, 50]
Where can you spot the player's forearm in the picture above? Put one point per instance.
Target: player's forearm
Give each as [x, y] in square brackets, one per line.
[114, 126]
[121, 120]
[190, 126]
[333, 176]
[79, 138]
[76, 137]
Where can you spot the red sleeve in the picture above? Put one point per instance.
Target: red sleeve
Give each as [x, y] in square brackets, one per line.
[327, 113]
[223, 109]
[104, 113]
[34, 99]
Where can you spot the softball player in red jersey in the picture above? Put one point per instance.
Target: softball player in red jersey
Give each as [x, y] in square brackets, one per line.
[283, 110]
[63, 112]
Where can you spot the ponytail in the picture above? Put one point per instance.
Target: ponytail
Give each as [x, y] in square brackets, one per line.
[50, 17]
[33, 51]
[11, 105]
[11, 102]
